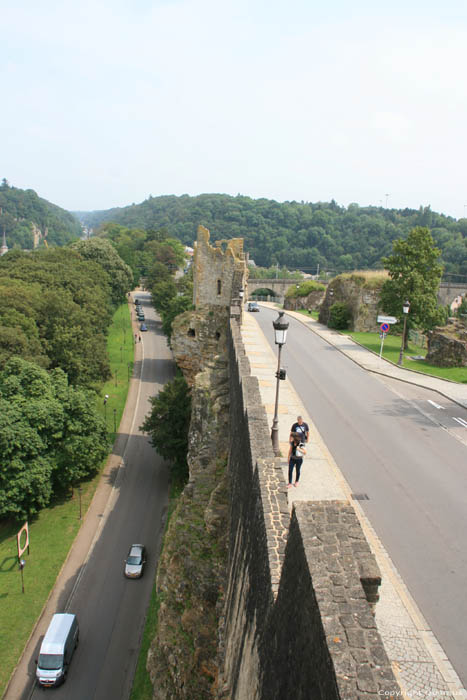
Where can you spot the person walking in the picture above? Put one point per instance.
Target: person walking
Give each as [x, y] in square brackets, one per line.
[300, 427]
[296, 453]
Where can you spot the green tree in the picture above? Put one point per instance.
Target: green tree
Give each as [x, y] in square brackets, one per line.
[168, 423]
[103, 252]
[51, 436]
[414, 275]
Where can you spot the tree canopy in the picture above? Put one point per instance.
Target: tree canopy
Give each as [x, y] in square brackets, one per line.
[23, 209]
[297, 235]
[414, 275]
[167, 423]
[50, 437]
[56, 308]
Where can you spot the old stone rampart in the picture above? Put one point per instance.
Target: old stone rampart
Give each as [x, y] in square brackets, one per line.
[298, 620]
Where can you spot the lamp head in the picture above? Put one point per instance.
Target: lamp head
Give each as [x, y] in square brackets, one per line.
[280, 329]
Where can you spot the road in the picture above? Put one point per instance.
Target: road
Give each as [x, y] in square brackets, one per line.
[402, 448]
[111, 609]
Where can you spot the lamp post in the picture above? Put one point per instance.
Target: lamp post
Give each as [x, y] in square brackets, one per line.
[405, 309]
[280, 334]
[106, 398]
[22, 564]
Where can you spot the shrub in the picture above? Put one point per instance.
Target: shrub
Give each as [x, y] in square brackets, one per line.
[339, 316]
[305, 288]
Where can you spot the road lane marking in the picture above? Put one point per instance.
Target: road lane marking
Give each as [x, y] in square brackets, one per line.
[436, 405]
[462, 422]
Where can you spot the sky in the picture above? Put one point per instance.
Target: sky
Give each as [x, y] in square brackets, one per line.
[105, 102]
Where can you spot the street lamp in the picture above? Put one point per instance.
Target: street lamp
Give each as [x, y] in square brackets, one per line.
[405, 309]
[280, 333]
[106, 398]
[22, 564]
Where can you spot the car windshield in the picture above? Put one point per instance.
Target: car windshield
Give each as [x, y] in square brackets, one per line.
[134, 560]
[50, 662]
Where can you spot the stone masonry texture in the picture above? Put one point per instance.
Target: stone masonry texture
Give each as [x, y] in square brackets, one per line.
[297, 621]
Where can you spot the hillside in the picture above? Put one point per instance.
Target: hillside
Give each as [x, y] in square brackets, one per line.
[295, 234]
[23, 211]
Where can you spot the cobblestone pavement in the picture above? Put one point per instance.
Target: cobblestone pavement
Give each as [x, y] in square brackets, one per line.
[418, 661]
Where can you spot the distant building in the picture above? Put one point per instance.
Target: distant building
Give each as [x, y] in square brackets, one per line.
[4, 248]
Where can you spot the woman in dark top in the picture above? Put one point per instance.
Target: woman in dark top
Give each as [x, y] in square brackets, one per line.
[295, 458]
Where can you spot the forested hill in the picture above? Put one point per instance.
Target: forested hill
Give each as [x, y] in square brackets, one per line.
[297, 235]
[24, 209]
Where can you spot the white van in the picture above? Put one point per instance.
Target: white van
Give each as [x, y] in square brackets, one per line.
[58, 645]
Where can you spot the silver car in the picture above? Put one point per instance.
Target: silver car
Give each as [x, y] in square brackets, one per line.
[135, 561]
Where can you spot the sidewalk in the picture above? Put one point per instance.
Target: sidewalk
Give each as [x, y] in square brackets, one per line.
[418, 661]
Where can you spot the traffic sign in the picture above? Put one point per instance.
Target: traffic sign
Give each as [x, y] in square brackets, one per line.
[387, 319]
[384, 327]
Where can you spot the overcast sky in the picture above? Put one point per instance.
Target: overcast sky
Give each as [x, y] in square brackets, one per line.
[106, 102]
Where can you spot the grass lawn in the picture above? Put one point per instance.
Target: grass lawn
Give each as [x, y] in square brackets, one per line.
[313, 314]
[391, 350]
[52, 533]
[120, 348]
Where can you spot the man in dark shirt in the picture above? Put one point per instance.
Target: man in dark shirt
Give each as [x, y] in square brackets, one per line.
[301, 428]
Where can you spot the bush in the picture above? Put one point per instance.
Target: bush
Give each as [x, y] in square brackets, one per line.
[339, 316]
[305, 288]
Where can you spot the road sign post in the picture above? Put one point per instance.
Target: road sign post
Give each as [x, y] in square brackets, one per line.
[384, 330]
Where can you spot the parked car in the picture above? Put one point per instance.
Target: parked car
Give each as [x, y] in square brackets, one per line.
[253, 306]
[143, 327]
[135, 561]
[141, 317]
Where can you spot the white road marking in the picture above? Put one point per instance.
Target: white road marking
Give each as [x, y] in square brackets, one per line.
[436, 405]
[461, 421]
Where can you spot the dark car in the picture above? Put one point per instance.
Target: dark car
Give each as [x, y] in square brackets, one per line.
[143, 327]
[253, 306]
[135, 561]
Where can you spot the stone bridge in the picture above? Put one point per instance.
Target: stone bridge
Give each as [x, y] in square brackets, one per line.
[276, 287]
[448, 291]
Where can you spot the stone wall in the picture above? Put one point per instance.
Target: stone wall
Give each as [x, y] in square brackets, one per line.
[360, 294]
[447, 347]
[311, 302]
[297, 620]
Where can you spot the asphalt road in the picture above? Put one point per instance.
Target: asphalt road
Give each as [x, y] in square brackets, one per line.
[111, 609]
[403, 448]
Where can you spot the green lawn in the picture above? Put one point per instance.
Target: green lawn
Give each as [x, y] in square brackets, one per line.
[120, 348]
[52, 533]
[313, 314]
[391, 349]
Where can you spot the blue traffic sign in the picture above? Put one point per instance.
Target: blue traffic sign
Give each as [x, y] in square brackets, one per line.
[384, 327]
